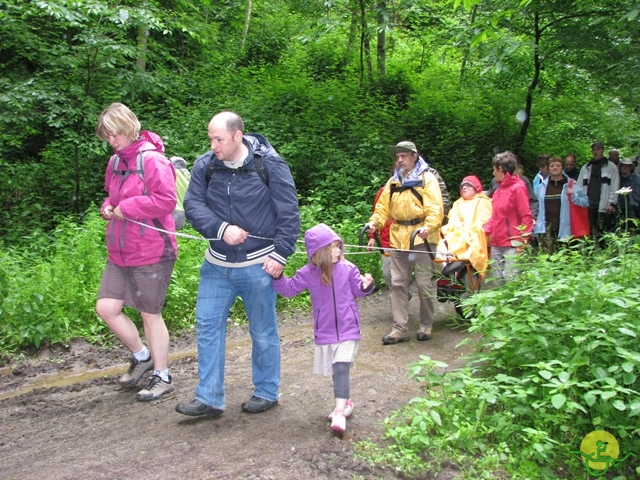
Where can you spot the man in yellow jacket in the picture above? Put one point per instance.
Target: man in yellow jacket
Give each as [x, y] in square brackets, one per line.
[412, 197]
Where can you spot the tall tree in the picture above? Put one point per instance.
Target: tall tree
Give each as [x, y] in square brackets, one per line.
[381, 57]
[550, 33]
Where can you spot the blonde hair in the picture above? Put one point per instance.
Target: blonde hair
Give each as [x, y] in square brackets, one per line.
[324, 261]
[119, 120]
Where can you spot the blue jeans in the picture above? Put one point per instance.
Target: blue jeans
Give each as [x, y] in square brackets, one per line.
[218, 289]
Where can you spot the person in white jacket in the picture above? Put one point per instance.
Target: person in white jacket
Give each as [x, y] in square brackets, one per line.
[601, 180]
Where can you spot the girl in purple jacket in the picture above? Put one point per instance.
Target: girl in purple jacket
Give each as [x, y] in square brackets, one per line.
[333, 284]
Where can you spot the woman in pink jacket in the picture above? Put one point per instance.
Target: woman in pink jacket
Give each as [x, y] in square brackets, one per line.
[511, 221]
[140, 183]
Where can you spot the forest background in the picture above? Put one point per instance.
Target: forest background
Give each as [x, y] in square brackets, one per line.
[332, 84]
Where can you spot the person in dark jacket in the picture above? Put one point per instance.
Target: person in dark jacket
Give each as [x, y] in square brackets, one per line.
[252, 221]
[629, 200]
[570, 169]
[333, 283]
[511, 221]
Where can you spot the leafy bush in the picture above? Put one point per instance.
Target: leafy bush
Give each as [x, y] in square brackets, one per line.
[51, 286]
[557, 359]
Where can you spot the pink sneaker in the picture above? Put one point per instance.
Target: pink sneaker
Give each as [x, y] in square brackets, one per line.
[338, 422]
[348, 410]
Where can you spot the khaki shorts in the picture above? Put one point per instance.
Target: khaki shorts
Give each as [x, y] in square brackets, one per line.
[143, 288]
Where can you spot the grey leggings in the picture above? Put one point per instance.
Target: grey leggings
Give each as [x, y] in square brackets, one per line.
[341, 379]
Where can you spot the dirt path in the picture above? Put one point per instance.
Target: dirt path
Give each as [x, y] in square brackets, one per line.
[92, 428]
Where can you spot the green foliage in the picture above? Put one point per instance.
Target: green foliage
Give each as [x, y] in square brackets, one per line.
[557, 359]
[50, 287]
[295, 76]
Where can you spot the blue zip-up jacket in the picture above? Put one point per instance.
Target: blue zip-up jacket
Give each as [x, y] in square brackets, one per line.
[335, 313]
[579, 197]
[240, 197]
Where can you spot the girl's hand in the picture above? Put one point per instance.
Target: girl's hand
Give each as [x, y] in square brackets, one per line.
[367, 281]
[272, 267]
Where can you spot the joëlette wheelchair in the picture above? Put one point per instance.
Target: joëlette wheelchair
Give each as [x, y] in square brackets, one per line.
[458, 278]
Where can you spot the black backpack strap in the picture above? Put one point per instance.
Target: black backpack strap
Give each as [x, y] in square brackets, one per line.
[399, 188]
[260, 169]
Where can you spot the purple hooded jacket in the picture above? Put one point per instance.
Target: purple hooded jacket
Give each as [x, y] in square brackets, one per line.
[130, 244]
[335, 313]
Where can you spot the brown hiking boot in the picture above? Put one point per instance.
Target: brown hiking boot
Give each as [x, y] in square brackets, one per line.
[395, 337]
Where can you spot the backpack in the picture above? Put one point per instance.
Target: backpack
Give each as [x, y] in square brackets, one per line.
[446, 203]
[183, 176]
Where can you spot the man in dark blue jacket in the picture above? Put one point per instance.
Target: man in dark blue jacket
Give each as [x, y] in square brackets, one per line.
[629, 201]
[242, 198]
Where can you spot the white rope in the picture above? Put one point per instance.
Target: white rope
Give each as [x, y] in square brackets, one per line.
[202, 239]
[186, 235]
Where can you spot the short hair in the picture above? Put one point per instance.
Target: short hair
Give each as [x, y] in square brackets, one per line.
[555, 159]
[232, 121]
[505, 160]
[572, 155]
[543, 160]
[119, 120]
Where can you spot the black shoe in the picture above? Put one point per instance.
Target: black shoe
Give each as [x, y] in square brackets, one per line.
[391, 340]
[195, 408]
[258, 405]
[421, 336]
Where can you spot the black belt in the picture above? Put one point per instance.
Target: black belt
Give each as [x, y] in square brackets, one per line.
[408, 223]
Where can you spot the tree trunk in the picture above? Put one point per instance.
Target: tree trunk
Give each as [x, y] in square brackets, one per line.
[519, 146]
[467, 50]
[247, 21]
[382, 39]
[141, 42]
[353, 31]
[365, 46]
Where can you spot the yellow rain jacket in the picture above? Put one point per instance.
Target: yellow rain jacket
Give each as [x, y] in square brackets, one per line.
[464, 237]
[409, 212]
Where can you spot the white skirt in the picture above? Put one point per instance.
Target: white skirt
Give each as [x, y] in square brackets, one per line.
[326, 355]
